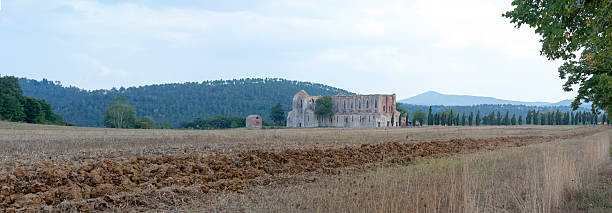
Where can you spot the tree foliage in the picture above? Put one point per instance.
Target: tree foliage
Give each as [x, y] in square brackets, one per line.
[120, 114]
[324, 107]
[579, 32]
[146, 122]
[278, 115]
[419, 116]
[218, 122]
[403, 112]
[14, 106]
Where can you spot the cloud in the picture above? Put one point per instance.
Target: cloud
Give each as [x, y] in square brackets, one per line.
[99, 69]
[451, 24]
[454, 46]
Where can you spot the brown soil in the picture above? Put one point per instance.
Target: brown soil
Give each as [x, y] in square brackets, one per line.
[100, 185]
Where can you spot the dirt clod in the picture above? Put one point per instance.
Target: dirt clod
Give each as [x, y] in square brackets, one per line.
[108, 183]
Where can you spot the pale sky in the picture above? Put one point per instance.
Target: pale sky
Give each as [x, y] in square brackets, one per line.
[365, 46]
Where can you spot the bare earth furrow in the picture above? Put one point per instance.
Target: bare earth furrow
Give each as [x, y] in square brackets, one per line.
[96, 184]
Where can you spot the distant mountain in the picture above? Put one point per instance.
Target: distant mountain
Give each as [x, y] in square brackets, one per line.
[177, 102]
[434, 98]
[568, 102]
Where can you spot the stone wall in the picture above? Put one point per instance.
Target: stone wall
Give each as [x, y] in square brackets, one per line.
[253, 121]
[354, 111]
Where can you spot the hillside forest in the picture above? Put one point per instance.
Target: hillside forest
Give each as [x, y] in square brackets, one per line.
[16, 107]
[175, 103]
[224, 104]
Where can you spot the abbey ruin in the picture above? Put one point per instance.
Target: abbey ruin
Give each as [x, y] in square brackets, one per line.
[352, 111]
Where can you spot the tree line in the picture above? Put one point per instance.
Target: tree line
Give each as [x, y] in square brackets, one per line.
[450, 117]
[120, 114]
[277, 116]
[175, 103]
[16, 107]
[447, 117]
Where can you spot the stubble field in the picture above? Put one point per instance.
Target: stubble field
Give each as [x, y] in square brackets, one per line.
[84, 169]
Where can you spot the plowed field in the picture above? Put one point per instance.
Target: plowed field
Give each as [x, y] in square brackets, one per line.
[109, 183]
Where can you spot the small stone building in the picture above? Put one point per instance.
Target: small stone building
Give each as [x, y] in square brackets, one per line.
[253, 121]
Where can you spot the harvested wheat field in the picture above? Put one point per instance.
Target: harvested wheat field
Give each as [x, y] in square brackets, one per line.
[429, 169]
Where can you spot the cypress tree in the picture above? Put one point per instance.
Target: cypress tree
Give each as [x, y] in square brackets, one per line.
[443, 119]
[457, 121]
[477, 118]
[430, 120]
[528, 117]
[436, 119]
[506, 120]
[498, 119]
[471, 118]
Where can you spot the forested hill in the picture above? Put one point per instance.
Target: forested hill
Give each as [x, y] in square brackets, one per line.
[175, 103]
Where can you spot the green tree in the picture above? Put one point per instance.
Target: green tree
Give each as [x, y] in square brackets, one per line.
[403, 112]
[324, 106]
[218, 122]
[443, 118]
[33, 110]
[401, 109]
[430, 120]
[471, 118]
[146, 122]
[278, 115]
[457, 119]
[165, 125]
[477, 118]
[520, 120]
[513, 120]
[437, 118]
[528, 118]
[568, 28]
[419, 116]
[506, 120]
[14, 106]
[11, 108]
[119, 114]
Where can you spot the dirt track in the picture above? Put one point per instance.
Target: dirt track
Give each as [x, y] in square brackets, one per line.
[95, 186]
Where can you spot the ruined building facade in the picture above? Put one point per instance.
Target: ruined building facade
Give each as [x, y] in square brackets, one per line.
[353, 111]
